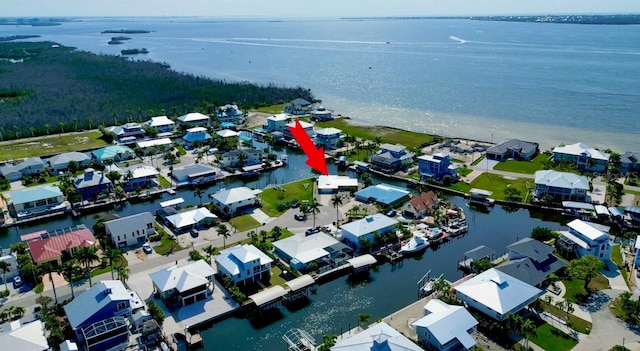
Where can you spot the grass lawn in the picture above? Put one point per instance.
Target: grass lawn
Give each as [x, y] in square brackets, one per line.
[575, 323]
[163, 181]
[270, 109]
[244, 222]
[286, 233]
[272, 197]
[276, 276]
[49, 180]
[497, 184]
[181, 150]
[386, 134]
[525, 167]
[167, 244]
[552, 339]
[575, 287]
[464, 171]
[51, 145]
[461, 186]
[616, 257]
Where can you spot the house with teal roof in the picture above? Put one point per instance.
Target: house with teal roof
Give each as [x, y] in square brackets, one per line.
[36, 199]
[113, 153]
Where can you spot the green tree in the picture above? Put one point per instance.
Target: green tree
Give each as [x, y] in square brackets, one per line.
[210, 250]
[49, 269]
[276, 233]
[198, 193]
[86, 255]
[481, 265]
[543, 234]
[224, 232]
[112, 256]
[69, 270]
[363, 319]
[313, 207]
[336, 201]
[328, 341]
[4, 266]
[155, 312]
[527, 330]
[585, 268]
[512, 194]
[123, 273]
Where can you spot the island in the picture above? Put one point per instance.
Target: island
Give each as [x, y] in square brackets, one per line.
[125, 31]
[18, 37]
[134, 51]
[118, 40]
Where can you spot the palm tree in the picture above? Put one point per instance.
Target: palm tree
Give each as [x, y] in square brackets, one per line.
[198, 193]
[68, 271]
[75, 122]
[210, 250]
[1, 130]
[314, 207]
[123, 273]
[61, 124]
[87, 255]
[112, 255]
[90, 122]
[242, 158]
[15, 131]
[527, 331]
[336, 201]
[4, 266]
[48, 268]
[224, 232]
[33, 130]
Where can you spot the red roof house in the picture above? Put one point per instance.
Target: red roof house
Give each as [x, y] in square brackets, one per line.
[50, 248]
[420, 206]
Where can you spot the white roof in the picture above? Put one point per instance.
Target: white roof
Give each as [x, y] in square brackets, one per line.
[302, 281]
[191, 217]
[328, 131]
[306, 249]
[235, 195]
[602, 210]
[154, 142]
[143, 171]
[637, 247]
[124, 224]
[583, 244]
[480, 192]
[361, 261]
[197, 130]
[27, 337]
[305, 125]
[498, 291]
[93, 300]
[171, 202]
[336, 181]
[578, 149]
[183, 278]
[268, 295]
[447, 322]
[159, 121]
[377, 337]
[588, 229]
[232, 257]
[563, 180]
[369, 224]
[193, 117]
[393, 147]
[226, 133]
[279, 117]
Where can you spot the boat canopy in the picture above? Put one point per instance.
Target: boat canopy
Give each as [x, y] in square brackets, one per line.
[577, 205]
[171, 202]
[301, 282]
[268, 295]
[362, 261]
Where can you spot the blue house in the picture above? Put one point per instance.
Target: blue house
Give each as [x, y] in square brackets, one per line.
[436, 166]
[383, 194]
[90, 184]
[106, 303]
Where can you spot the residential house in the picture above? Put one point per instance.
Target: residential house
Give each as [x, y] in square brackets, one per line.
[496, 294]
[561, 186]
[227, 133]
[32, 166]
[163, 124]
[298, 107]
[367, 228]
[127, 133]
[229, 114]
[383, 194]
[24, 337]
[630, 162]
[131, 230]
[194, 174]
[113, 153]
[230, 201]
[445, 327]
[142, 177]
[584, 157]
[586, 239]
[50, 246]
[531, 261]
[636, 258]
[184, 285]
[195, 119]
[331, 184]
[9, 257]
[421, 205]
[321, 114]
[328, 137]
[97, 314]
[436, 166]
[60, 162]
[277, 122]
[377, 337]
[196, 135]
[36, 200]
[308, 128]
[3, 211]
[240, 158]
[385, 162]
[244, 264]
[160, 145]
[320, 248]
[513, 148]
[92, 183]
[190, 218]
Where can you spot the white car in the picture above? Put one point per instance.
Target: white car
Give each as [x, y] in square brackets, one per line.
[147, 248]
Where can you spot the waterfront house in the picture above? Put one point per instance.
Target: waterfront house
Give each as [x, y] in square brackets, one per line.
[162, 144]
[194, 174]
[308, 128]
[497, 294]
[50, 246]
[229, 114]
[3, 211]
[436, 166]
[127, 133]
[130, 230]
[163, 124]
[636, 258]
[276, 122]
[194, 119]
[328, 137]
[190, 218]
[584, 157]
[298, 107]
[227, 133]
[244, 264]
[513, 148]
[630, 162]
[31, 336]
[60, 162]
[92, 183]
[391, 158]
[32, 166]
[240, 158]
[561, 186]
[331, 184]
[367, 228]
[142, 177]
[531, 261]
[35, 200]
[97, 315]
[184, 285]
[586, 239]
[299, 252]
[420, 206]
[196, 135]
[383, 194]
[9, 257]
[321, 114]
[377, 337]
[113, 153]
[445, 327]
[231, 201]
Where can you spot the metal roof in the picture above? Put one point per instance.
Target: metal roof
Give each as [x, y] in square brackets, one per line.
[479, 253]
[92, 301]
[172, 202]
[578, 205]
[268, 295]
[369, 225]
[300, 282]
[35, 194]
[362, 261]
[447, 322]
[183, 278]
[383, 193]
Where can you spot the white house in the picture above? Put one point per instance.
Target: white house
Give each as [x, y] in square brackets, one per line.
[240, 158]
[328, 137]
[299, 251]
[333, 183]
[142, 177]
[244, 264]
[131, 230]
[163, 124]
[321, 114]
[445, 327]
[561, 185]
[184, 285]
[585, 157]
[31, 166]
[7, 256]
[276, 122]
[308, 128]
[298, 106]
[496, 294]
[127, 133]
[377, 337]
[24, 337]
[586, 239]
[61, 161]
[194, 119]
[229, 113]
[191, 218]
[366, 228]
[234, 199]
[196, 173]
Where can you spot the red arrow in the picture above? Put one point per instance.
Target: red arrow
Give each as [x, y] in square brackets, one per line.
[315, 157]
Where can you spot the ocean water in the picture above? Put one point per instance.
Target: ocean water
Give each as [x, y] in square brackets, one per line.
[550, 83]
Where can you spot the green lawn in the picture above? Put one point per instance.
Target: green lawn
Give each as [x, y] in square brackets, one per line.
[51, 145]
[552, 339]
[525, 167]
[270, 109]
[286, 233]
[276, 276]
[575, 287]
[244, 222]
[181, 150]
[461, 186]
[616, 257]
[575, 323]
[49, 180]
[167, 244]
[386, 134]
[272, 197]
[464, 171]
[163, 181]
[497, 184]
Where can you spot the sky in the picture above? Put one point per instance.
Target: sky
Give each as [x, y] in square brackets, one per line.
[309, 9]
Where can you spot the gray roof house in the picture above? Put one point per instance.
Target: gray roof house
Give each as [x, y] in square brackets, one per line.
[445, 327]
[130, 230]
[531, 261]
[298, 106]
[30, 166]
[630, 162]
[378, 337]
[561, 185]
[513, 148]
[196, 173]
[61, 161]
[184, 285]
[234, 199]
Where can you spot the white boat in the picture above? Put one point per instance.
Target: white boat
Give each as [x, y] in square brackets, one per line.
[435, 233]
[414, 245]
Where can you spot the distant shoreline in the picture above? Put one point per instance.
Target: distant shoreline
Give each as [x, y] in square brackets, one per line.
[627, 19]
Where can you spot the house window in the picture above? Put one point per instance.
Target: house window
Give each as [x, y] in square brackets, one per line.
[121, 306]
[118, 237]
[149, 225]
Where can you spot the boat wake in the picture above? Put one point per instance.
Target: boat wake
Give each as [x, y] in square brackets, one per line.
[461, 41]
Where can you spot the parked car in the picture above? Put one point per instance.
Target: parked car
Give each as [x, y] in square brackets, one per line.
[17, 282]
[299, 217]
[147, 248]
[194, 233]
[392, 213]
[311, 231]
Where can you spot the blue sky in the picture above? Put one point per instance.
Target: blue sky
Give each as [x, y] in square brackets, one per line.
[306, 8]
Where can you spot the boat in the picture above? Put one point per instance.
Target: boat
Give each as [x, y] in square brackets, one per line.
[413, 246]
[457, 227]
[284, 158]
[435, 233]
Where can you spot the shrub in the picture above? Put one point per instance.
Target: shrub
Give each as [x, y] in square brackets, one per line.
[155, 237]
[4, 294]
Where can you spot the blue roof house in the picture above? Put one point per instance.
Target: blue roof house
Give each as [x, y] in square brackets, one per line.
[196, 134]
[36, 199]
[113, 153]
[383, 194]
[366, 228]
[436, 166]
[92, 183]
